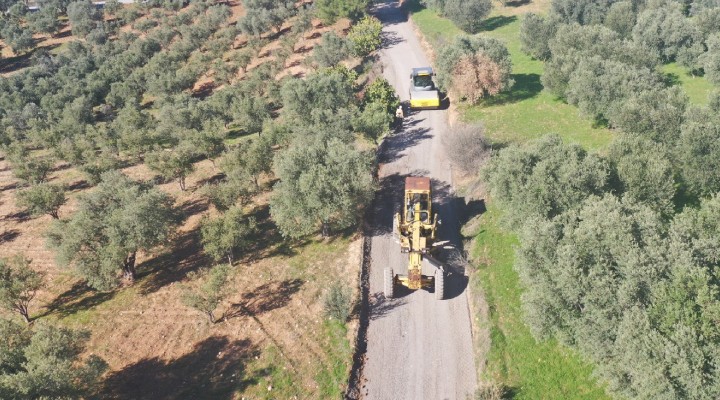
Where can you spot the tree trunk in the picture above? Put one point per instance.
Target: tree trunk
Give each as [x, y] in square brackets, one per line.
[23, 310]
[230, 258]
[129, 267]
[181, 181]
[325, 229]
[54, 214]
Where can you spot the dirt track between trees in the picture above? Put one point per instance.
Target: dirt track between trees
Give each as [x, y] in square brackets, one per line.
[417, 347]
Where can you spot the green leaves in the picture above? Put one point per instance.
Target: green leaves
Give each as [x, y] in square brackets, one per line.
[545, 178]
[205, 296]
[46, 363]
[225, 235]
[330, 11]
[44, 198]
[18, 285]
[331, 50]
[468, 15]
[324, 182]
[112, 223]
[364, 36]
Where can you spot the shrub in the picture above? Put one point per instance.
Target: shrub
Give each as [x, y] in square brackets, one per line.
[338, 302]
[380, 91]
[330, 11]
[364, 36]
[467, 147]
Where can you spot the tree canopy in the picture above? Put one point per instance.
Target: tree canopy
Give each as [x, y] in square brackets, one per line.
[112, 223]
[46, 362]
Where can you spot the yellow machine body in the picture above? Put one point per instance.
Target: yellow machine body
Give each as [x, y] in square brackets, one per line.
[416, 227]
[423, 93]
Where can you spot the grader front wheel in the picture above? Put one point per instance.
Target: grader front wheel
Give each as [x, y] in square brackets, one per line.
[389, 283]
[439, 285]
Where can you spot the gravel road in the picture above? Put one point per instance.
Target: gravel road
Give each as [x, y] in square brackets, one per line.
[418, 347]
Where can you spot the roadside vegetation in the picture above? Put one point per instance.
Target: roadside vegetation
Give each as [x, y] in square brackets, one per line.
[181, 182]
[602, 187]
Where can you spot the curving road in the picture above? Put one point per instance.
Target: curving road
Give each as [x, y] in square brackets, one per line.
[417, 347]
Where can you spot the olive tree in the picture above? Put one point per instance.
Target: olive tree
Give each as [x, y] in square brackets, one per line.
[331, 50]
[654, 114]
[112, 223]
[544, 179]
[536, 32]
[19, 284]
[698, 150]
[598, 86]
[175, 163]
[468, 15]
[664, 28]
[83, 16]
[47, 362]
[323, 183]
[248, 160]
[374, 121]
[644, 172]
[483, 57]
[711, 59]
[573, 43]
[621, 18]
[43, 198]
[205, 296]
[225, 235]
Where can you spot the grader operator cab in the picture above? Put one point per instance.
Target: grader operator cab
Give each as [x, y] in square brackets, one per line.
[415, 226]
[423, 93]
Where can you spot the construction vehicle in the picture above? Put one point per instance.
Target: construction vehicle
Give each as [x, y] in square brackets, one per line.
[423, 93]
[415, 227]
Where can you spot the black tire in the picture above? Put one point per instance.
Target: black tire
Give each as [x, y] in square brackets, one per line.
[439, 285]
[389, 283]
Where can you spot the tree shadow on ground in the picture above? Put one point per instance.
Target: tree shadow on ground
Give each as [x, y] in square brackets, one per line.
[264, 298]
[215, 369]
[393, 146]
[20, 216]
[184, 256]
[79, 297]
[526, 87]
[390, 13]
[671, 79]
[496, 22]
[517, 3]
[11, 64]
[9, 236]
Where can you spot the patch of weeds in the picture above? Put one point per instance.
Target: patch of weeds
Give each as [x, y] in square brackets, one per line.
[333, 376]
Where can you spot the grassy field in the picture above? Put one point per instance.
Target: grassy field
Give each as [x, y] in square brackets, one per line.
[697, 87]
[527, 368]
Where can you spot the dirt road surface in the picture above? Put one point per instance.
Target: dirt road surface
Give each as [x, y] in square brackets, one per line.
[418, 347]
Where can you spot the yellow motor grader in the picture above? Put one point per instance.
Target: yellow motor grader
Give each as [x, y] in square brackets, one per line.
[415, 227]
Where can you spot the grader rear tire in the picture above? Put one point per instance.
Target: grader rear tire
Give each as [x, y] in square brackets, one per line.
[389, 283]
[439, 285]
